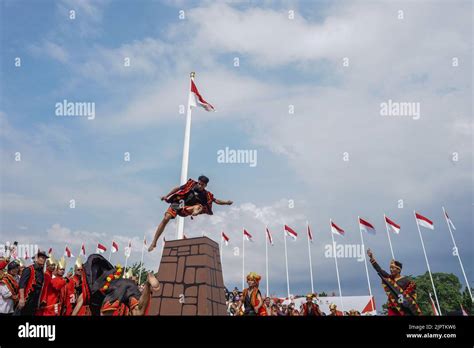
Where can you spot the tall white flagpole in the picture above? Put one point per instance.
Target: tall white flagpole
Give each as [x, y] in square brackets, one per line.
[388, 235]
[266, 260]
[243, 260]
[366, 269]
[286, 263]
[427, 264]
[456, 250]
[141, 260]
[185, 163]
[337, 268]
[309, 255]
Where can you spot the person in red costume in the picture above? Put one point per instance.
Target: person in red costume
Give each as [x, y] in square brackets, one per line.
[72, 290]
[310, 308]
[251, 298]
[50, 300]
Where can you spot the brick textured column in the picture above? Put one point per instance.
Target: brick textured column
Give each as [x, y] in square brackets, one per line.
[191, 279]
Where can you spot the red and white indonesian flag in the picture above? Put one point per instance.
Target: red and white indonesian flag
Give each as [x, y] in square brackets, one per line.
[310, 235]
[195, 99]
[248, 236]
[101, 248]
[392, 226]
[269, 236]
[68, 252]
[423, 221]
[114, 247]
[450, 223]
[366, 226]
[225, 238]
[336, 229]
[290, 232]
[128, 249]
[83, 250]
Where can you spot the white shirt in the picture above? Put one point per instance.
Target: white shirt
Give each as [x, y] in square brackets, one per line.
[6, 302]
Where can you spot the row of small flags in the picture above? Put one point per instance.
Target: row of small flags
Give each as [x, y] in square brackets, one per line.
[101, 248]
[365, 225]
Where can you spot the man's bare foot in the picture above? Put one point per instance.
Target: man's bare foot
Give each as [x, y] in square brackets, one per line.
[152, 246]
[153, 281]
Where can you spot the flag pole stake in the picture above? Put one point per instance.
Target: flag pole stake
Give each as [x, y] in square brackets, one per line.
[243, 260]
[266, 260]
[286, 263]
[141, 261]
[388, 235]
[427, 263]
[457, 253]
[366, 268]
[337, 269]
[310, 262]
[185, 162]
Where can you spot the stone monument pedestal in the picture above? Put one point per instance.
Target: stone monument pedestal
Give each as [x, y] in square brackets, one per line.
[191, 279]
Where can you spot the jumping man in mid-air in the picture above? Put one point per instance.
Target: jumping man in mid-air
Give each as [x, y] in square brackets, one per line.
[190, 199]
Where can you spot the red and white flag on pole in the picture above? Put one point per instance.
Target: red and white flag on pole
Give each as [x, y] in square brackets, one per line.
[269, 236]
[225, 238]
[68, 252]
[83, 250]
[449, 220]
[291, 232]
[464, 313]
[366, 226]
[336, 229]
[310, 235]
[195, 98]
[392, 226]
[114, 247]
[101, 248]
[424, 221]
[433, 306]
[248, 236]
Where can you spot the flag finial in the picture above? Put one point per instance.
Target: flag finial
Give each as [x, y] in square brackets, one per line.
[192, 74]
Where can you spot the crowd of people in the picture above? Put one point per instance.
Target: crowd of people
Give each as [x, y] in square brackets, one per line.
[44, 289]
[241, 303]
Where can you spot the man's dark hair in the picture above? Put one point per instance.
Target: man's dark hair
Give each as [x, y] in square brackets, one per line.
[204, 179]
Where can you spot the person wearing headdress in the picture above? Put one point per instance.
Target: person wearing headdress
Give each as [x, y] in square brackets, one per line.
[310, 308]
[31, 285]
[9, 288]
[251, 298]
[190, 199]
[72, 290]
[50, 302]
[400, 290]
[333, 311]
[267, 307]
[106, 292]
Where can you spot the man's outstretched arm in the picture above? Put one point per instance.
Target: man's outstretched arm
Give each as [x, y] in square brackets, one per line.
[221, 202]
[174, 190]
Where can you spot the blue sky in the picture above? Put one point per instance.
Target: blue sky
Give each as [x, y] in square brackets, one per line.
[300, 156]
